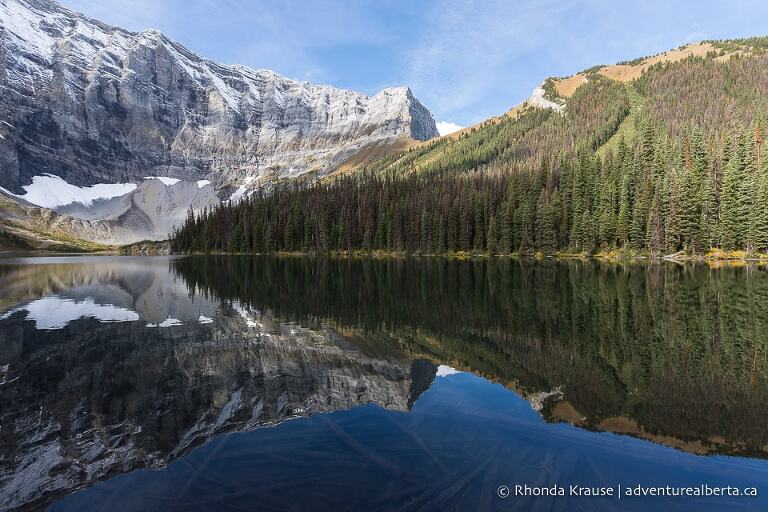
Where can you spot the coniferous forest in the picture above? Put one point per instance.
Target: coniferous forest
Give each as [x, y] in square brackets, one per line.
[673, 160]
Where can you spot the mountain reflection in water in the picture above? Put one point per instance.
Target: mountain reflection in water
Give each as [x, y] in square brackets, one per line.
[113, 364]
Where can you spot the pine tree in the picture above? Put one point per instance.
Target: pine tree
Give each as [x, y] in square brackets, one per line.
[624, 218]
[750, 188]
[655, 228]
[732, 225]
[672, 181]
[639, 223]
[689, 207]
[709, 210]
[578, 201]
[441, 244]
[505, 244]
[268, 238]
[760, 226]
[587, 232]
[546, 234]
[478, 227]
[493, 236]
[424, 238]
[605, 190]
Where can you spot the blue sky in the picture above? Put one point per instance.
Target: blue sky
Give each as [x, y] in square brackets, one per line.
[465, 60]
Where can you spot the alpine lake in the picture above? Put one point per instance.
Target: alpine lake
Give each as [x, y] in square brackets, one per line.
[363, 384]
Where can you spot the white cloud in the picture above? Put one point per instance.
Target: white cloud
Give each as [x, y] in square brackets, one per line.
[446, 127]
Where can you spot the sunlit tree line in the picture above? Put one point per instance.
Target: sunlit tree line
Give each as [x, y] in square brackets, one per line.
[686, 171]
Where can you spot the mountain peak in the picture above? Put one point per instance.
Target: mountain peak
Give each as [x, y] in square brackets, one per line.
[399, 89]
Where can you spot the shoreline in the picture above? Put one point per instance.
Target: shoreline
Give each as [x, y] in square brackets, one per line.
[712, 256]
[162, 248]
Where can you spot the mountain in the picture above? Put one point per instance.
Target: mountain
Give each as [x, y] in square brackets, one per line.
[94, 104]
[647, 157]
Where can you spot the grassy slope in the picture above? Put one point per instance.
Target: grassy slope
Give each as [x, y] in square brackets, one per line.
[22, 228]
[628, 128]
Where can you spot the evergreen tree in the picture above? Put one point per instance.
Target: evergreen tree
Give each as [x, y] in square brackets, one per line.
[732, 223]
[493, 236]
[624, 218]
[760, 226]
[655, 228]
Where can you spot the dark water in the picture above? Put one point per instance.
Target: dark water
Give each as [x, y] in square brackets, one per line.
[249, 383]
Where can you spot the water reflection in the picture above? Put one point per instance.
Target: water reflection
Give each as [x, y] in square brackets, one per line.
[675, 354]
[112, 364]
[57, 290]
[463, 438]
[109, 365]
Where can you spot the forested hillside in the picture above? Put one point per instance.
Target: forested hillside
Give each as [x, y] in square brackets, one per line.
[667, 160]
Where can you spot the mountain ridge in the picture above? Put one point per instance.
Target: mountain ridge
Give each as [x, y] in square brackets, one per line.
[136, 104]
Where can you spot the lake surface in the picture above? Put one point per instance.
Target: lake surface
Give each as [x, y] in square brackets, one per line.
[260, 383]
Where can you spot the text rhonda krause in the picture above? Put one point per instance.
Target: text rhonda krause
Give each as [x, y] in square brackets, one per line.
[632, 491]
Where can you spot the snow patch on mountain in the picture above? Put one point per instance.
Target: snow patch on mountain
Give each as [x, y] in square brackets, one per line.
[51, 191]
[166, 180]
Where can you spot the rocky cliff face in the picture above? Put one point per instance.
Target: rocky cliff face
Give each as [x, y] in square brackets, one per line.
[96, 104]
